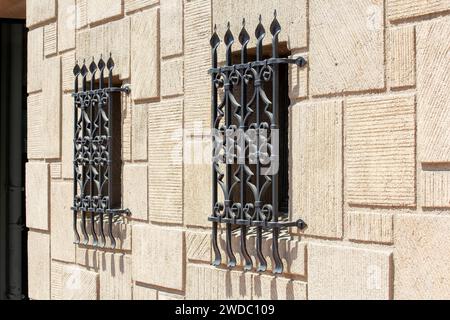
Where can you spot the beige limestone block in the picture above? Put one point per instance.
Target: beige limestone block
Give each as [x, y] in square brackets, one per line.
[81, 12]
[165, 143]
[50, 39]
[171, 27]
[197, 194]
[66, 24]
[35, 127]
[317, 167]
[198, 246]
[340, 272]
[161, 264]
[35, 56]
[115, 276]
[126, 128]
[346, 46]
[88, 258]
[139, 133]
[67, 136]
[55, 170]
[37, 193]
[435, 188]
[117, 43]
[135, 190]
[402, 9]
[433, 85]
[133, 5]
[421, 260]
[100, 10]
[67, 65]
[402, 57]
[268, 287]
[70, 282]
[298, 79]
[39, 11]
[172, 80]
[61, 222]
[141, 292]
[145, 55]
[365, 225]
[38, 266]
[169, 296]
[380, 151]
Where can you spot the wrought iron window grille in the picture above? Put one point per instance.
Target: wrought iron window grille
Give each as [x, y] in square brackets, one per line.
[249, 191]
[96, 184]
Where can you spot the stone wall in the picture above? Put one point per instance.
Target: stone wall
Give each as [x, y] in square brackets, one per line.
[369, 149]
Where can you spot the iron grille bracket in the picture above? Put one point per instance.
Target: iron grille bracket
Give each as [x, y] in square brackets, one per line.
[248, 192]
[95, 193]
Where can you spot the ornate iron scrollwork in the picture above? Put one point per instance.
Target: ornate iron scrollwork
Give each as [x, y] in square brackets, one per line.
[250, 187]
[94, 188]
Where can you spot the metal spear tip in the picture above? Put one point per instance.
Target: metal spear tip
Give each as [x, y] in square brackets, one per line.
[243, 22]
[229, 38]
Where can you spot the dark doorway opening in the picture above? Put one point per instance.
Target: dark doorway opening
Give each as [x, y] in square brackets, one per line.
[13, 97]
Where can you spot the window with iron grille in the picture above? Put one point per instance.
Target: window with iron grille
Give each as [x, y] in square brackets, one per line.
[249, 117]
[97, 152]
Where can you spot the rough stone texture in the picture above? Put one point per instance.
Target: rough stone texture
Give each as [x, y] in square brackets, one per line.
[139, 134]
[368, 226]
[197, 21]
[67, 137]
[37, 192]
[71, 282]
[100, 10]
[435, 188]
[421, 257]
[133, 5]
[126, 128]
[35, 127]
[210, 283]
[50, 39]
[433, 85]
[171, 27]
[160, 265]
[339, 272]
[380, 151]
[141, 292]
[38, 266]
[172, 82]
[66, 24]
[165, 161]
[39, 11]
[145, 54]
[88, 258]
[267, 287]
[135, 190]
[402, 56]
[67, 65]
[117, 43]
[401, 9]
[317, 167]
[198, 246]
[35, 58]
[115, 277]
[169, 296]
[298, 79]
[55, 170]
[337, 61]
[81, 11]
[61, 222]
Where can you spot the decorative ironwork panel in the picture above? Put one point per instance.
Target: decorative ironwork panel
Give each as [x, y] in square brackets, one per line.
[245, 124]
[96, 187]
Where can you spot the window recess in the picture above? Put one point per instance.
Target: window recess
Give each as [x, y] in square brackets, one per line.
[247, 163]
[97, 153]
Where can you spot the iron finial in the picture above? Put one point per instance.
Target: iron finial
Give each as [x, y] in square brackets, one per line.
[214, 41]
[229, 39]
[243, 22]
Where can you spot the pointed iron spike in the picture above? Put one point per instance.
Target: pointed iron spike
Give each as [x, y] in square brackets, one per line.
[215, 27]
[228, 25]
[275, 13]
[228, 39]
[243, 22]
[260, 18]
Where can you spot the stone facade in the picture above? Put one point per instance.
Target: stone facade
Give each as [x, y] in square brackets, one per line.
[369, 162]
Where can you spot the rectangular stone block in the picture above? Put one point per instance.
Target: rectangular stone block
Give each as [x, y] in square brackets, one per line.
[81, 12]
[364, 225]
[141, 292]
[197, 194]
[317, 167]
[88, 258]
[35, 127]
[66, 24]
[126, 128]
[145, 54]
[421, 256]
[100, 10]
[435, 188]
[38, 266]
[160, 265]
[115, 276]
[117, 43]
[70, 282]
[165, 155]
[135, 190]
[172, 82]
[380, 151]
[37, 193]
[139, 133]
[50, 39]
[169, 296]
[171, 27]
[337, 29]
[433, 85]
[39, 11]
[338, 272]
[267, 287]
[402, 9]
[67, 137]
[198, 246]
[133, 5]
[402, 57]
[55, 170]
[298, 80]
[35, 58]
[61, 222]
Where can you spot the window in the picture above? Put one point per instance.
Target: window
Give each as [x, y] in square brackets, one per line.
[249, 117]
[97, 152]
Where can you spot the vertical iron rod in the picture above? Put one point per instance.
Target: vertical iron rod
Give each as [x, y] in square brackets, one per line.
[101, 65]
[110, 154]
[83, 134]
[93, 69]
[76, 72]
